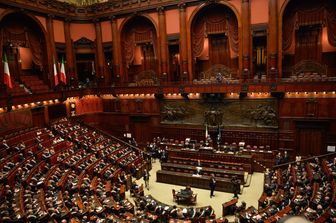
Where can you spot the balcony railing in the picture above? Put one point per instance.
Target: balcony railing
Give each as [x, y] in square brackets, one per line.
[237, 86]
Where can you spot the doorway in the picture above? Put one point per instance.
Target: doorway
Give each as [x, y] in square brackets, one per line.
[85, 64]
[311, 137]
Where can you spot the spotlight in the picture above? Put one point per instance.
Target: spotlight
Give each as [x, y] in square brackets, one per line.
[242, 95]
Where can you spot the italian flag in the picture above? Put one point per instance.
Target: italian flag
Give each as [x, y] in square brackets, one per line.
[63, 75]
[7, 77]
[55, 72]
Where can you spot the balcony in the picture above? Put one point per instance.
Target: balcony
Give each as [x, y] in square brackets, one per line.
[236, 86]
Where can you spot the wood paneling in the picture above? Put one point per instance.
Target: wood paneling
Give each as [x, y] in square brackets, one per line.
[38, 116]
[139, 127]
[57, 111]
[329, 59]
[311, 137]
[118, 117]
[300, 107]
[249, 137]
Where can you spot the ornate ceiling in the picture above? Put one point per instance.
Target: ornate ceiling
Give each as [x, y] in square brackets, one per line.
[83, 2]
[84, 10]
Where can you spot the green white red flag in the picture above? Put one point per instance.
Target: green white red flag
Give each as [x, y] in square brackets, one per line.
[62, 74]
[7, 76]
[55, 72]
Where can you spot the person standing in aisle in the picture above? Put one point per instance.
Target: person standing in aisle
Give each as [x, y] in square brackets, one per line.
[236, 186]
[146, 178]
[212, 185]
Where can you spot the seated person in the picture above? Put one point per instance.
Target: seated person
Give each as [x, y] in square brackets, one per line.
[134, 188]
[122, 178]
[187, 191]
[241, 207]
[173, 212]
[133, 170]
[198, 170]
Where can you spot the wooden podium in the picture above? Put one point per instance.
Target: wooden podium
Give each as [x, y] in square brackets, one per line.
[228, 207]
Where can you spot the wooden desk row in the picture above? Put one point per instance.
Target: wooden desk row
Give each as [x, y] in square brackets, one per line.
[246, 160]
[207, 171]
[185, 179]
[41, 193]
[22, 136]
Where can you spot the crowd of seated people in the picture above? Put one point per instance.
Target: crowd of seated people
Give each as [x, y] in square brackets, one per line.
[17, 148]
[304, 188]
[73, 173]
[68, 173]
[151, 209]
[281, 158]
[156, 150]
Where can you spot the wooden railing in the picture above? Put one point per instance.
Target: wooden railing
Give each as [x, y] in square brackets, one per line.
[172, 87]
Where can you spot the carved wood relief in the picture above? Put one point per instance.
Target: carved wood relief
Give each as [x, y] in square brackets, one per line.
[227, 113]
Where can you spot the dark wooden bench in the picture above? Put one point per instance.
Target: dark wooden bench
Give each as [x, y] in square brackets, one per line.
[207, 171]
[184, 179]
[213, 157]
[210, 164]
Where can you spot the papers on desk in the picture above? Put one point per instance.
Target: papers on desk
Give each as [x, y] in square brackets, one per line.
[196, 175]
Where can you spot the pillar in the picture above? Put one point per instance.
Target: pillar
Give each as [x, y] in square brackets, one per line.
[273, 39]
[183, 44]
[100, 71]
[69, 56]
[51, 49]
[246, 39]
[116, 50]
[163, 43]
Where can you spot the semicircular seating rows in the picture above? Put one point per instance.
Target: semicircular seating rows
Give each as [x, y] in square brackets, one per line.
[70, 173]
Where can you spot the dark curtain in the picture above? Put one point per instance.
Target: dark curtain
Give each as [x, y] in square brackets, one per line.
[308, 44]
[137, 35]
[220, 25]
[331, 25]
[233, 33]
[15, 35]
[19, 36]
[311, 13]
[288, 29]
[214, 20]
[128, 48]
[198, 34]
[35, 44]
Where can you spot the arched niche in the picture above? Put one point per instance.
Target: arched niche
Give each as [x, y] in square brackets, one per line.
[25, 46]
[86, 61]
[139, 50]
[308, 33]
[214, 40]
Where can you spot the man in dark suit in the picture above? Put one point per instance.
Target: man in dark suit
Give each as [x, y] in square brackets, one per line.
[236, 186]
[212, 185]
